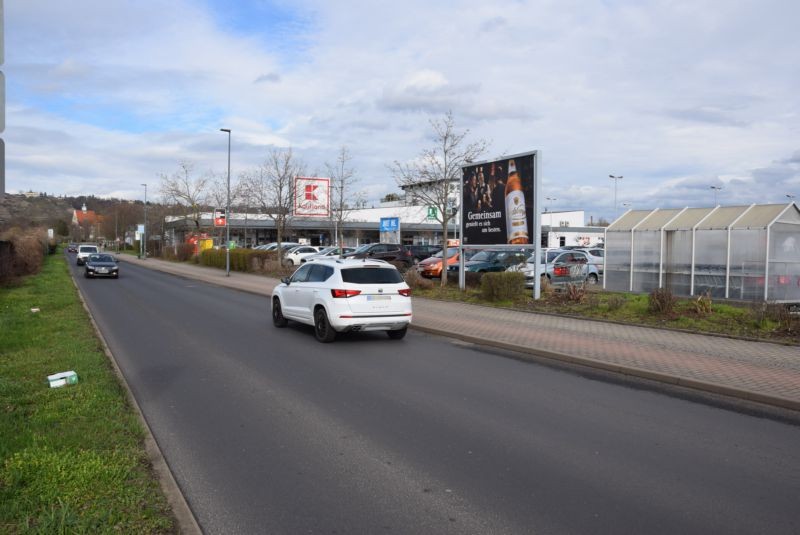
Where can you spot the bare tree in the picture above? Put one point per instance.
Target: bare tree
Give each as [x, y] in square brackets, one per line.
[343, 199]
[432, 179]
[271, 187]
[188, 193]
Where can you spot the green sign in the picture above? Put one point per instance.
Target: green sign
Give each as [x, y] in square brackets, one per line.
[231, 245]
[432, 212]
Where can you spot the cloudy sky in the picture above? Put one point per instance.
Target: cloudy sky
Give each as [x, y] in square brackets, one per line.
[675, 96]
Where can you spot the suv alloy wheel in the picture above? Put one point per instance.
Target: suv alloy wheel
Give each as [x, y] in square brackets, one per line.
[277, 314]
[322, 327]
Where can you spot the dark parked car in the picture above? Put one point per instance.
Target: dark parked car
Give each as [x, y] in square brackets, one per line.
[390, 252]
[101, 265]
[494, 260]
[421, 252]
[72, 248]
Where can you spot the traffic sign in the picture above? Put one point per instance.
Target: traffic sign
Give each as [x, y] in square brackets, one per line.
[219, 217]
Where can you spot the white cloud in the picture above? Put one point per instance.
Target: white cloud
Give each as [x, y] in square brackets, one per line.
[672, 95]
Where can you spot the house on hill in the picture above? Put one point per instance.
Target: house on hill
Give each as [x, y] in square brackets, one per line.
[88, 222]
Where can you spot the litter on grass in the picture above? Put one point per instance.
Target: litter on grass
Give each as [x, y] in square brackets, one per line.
[61, 379]
[35, 310]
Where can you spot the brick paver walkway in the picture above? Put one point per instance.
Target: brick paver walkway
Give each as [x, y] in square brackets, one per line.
[758, 371]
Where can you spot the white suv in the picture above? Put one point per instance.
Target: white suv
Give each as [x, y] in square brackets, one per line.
[83, 253]
[344, 295]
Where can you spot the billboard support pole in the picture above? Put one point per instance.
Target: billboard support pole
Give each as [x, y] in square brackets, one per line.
[461, 278]
[537, 229]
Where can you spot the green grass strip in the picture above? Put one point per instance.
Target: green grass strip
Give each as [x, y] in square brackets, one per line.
[72, 459]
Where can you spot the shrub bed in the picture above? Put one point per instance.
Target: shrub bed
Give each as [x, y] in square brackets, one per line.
[503, 286]
[21, 253]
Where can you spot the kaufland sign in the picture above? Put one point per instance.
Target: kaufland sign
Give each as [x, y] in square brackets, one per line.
[312, 197]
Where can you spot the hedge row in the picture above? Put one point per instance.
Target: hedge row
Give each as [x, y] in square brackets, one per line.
[22, 252]
[246, 260]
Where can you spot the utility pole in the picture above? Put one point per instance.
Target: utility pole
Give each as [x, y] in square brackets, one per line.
[716, 189]
[615, 179]
[228, 210]
[144, 234]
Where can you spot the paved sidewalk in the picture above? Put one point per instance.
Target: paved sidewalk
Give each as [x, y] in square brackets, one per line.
[756, 371]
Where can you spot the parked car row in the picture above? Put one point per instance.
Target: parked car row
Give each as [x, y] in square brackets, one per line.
[559, 266]
[327, 252]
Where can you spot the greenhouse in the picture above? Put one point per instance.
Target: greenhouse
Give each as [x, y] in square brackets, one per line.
[735, 252]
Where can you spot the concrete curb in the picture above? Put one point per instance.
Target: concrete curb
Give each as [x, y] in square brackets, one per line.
[704, 386]
[187, 523]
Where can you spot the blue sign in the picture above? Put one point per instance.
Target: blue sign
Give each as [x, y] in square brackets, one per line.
[390, 224]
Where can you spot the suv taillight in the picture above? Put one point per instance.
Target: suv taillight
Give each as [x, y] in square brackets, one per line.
[345, 293]
[406, 292]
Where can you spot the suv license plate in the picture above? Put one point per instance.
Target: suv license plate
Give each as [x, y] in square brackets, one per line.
[379, 298]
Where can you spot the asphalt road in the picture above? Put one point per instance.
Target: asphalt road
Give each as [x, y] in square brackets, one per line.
[269, 431]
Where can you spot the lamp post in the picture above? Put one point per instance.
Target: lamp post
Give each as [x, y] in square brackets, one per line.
[228, 210]
[790, 197]
[615, 179]
[716, 189]
[144, 234]
[550, 221]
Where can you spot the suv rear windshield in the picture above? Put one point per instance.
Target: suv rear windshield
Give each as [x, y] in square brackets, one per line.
[371, 275]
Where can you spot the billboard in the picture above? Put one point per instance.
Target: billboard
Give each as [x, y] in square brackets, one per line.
[312, 197]
[497, 201]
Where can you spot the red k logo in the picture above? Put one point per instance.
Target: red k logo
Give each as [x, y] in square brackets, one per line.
[310, 195]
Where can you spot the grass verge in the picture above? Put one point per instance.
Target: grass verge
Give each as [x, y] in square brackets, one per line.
[72, 459]
[721, 318]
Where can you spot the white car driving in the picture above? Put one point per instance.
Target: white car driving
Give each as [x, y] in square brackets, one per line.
[344, 295]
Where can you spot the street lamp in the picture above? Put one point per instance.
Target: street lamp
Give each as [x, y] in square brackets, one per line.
[144, 234]
[716, 189]
[626, 204]
[790, 197]
[615, 179]
[550, 221]
[228, 210]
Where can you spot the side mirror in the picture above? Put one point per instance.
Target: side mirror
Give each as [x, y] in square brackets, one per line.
[285, 280]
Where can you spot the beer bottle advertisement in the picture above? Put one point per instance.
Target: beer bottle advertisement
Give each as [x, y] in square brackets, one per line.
[497, 201]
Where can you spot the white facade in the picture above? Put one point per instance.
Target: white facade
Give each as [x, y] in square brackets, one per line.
[561, 229]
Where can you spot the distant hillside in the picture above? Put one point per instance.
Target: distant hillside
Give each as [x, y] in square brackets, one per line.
[19, 210]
